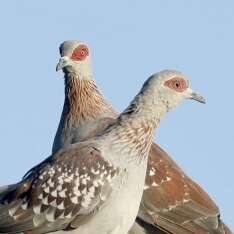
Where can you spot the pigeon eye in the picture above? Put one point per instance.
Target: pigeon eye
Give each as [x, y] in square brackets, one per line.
[80, 53]
[177, 84]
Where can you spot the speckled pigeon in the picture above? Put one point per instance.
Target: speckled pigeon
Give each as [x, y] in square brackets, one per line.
[96, 186]
[171, 201]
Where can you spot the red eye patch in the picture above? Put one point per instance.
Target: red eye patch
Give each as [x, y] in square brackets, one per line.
[80, 53]
[177, 83]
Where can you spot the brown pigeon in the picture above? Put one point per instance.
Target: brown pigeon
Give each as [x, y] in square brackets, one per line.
[171, 202]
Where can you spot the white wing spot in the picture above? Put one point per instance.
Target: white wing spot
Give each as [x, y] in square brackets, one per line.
[45, 200]
[54, 203]
[84, 181]
[95, 183]
[152, 171]
[74, 200]
[154, 184]
[37, 209]
[103, 197]
[92, 189]
[84, 191]
[61, 206]
[69, 216]
[108, 177]
[47, 190]
[54, 193]
[63, 193]
[168, 178]
[69, 179]
[95, 172]
[59, 188]
[76, 191]
[24, 206]
[50, 183]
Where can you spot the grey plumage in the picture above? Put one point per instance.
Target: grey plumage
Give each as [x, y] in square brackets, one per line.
[94, 186]
[171, 200]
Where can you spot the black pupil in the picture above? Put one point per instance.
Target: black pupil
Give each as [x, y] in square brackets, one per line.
[177, 84]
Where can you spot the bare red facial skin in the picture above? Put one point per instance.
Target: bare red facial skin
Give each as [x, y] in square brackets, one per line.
[177, 83]
[80, 53]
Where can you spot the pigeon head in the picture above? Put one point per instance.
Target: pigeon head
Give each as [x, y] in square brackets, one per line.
[169, 87]
[75, 58]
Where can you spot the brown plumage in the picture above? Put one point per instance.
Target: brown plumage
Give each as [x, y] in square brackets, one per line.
[172, 202]
[94, 186]
[92, 105]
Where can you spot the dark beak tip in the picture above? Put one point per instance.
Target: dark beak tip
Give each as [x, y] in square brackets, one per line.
[203, 101]
[198, 98]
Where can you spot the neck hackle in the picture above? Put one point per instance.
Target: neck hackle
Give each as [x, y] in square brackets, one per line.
[83, 100]
[134, 128]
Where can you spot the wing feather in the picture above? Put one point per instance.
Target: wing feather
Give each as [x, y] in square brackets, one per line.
[61, 192]
[173, 202]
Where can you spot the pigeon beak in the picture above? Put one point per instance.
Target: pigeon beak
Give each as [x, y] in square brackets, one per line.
[63, 62]
[197, 97]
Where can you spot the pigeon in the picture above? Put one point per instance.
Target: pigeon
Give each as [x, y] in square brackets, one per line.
[95, 186]
[172, 202]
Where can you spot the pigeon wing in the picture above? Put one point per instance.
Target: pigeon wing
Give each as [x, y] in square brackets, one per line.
[173, 202]
[61, 193]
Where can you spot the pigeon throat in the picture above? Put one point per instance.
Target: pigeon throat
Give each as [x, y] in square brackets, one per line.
[83, 101]
[132, 136]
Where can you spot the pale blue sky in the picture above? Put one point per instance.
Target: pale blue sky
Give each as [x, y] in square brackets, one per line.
[130, 40]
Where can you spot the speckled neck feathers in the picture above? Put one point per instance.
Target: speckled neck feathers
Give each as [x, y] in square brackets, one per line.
[133, 130]
[83, 100]
[84, 110]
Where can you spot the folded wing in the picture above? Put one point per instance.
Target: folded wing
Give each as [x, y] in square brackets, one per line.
[175, 203]
[61, 193]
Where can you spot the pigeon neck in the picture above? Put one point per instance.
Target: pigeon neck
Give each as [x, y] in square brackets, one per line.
[145, 108]
[83, 100]
[133, 131]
